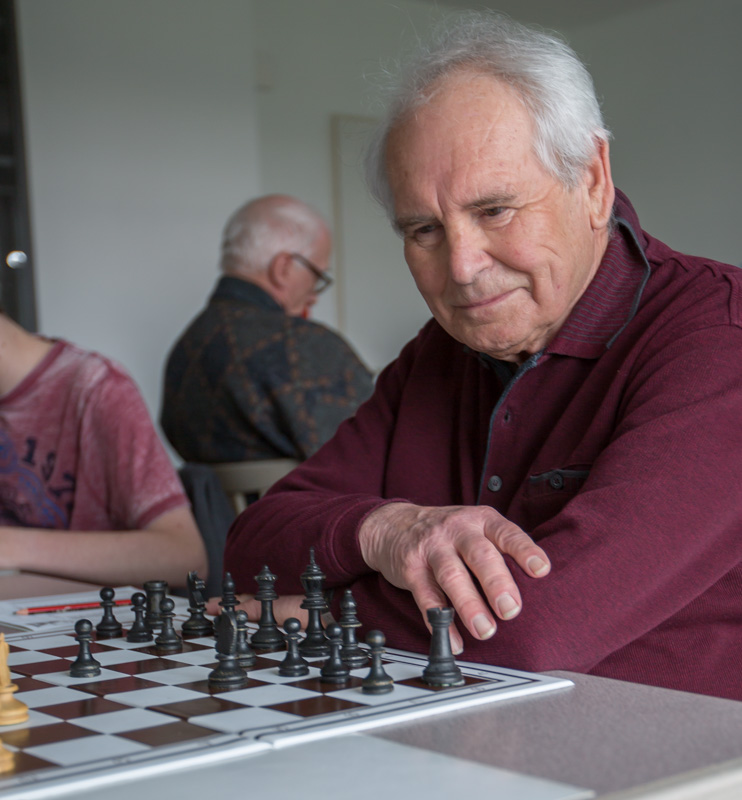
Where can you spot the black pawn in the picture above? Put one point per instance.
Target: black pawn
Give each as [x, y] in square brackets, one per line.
[109, 627]
[85, 666]
[197, 624]
[139, 631]
[377, 681]
[267, 637]
[228, 674]
[228, 601]
[293, 666]
[168, 639]
[334, 670]
[315, 643]
[243, 651]
[441, 669]
[351, 652]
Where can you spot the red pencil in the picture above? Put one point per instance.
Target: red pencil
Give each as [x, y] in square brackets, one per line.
[70, 607]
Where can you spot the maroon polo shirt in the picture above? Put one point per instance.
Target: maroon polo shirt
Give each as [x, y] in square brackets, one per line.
[618, 448]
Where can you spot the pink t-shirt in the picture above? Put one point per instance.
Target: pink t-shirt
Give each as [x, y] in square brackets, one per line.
[78, 450]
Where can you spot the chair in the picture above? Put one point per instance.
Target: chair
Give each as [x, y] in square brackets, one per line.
[243, 479]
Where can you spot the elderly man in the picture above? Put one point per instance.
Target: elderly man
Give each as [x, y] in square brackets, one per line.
[557, 454]
[251, 378]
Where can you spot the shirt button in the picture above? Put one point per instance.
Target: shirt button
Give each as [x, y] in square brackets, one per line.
[556, 481]
[494, 484]
[506, 416]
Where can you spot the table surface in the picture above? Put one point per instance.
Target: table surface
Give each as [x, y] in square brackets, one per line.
[618, 739]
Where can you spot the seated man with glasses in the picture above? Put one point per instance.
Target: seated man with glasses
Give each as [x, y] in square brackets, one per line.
[252, 377]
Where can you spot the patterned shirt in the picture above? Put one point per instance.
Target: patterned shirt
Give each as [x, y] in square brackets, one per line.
[246, 381]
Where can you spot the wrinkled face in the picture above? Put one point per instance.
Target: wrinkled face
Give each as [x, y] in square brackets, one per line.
[301, 294]
[498, 248]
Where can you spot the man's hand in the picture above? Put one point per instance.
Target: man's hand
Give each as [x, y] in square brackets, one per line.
[283, 608]
[434, 552]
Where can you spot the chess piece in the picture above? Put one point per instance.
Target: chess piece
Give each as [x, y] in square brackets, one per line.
[85, 666]
[139, 631]
[156, 592]
[351, 652]
[315, 643]
[168, 640]
[228, 601]
[245, 654]
[12, 710]
[377, 681]
[441, 669]
[197, 624]
[228, 673]
[109, 627]
[267, 637]
[335, 670]
[293, 666]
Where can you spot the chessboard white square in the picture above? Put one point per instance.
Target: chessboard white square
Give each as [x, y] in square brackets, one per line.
[79, 751]
[111, 657]
[35, 720]
[269, 695]
[156, 696]
[396, 671]
[271, 675]
[189, 674]
[29, 657]
[65, 679]
[121, 721]
[194, 657]
[45, 642]
[51, 696]
[399, 692]
[243, 719]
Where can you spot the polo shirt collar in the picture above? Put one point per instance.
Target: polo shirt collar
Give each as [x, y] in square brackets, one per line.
[230, 288]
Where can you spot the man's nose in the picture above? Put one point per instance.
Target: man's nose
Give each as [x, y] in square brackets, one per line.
[467, 252]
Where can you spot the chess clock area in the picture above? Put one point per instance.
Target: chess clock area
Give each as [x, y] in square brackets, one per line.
[142, 694]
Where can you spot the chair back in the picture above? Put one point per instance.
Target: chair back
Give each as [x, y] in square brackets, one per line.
[242, 480]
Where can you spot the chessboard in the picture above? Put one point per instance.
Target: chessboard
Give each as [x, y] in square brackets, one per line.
[155, 710]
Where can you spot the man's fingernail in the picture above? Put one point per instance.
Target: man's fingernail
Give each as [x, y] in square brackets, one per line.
[507, 606]
[483, 626]
[537, 565]
[457, 648]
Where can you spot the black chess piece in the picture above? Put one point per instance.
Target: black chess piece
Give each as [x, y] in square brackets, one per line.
[245, 654]
[293, 666]
[351, 652]
[84, 666]
[315, 643]
[441, 669]
[377, 681]
[197, 624]
[334, 670]
[109, 627]
[228, 601]
[139, 631]
[156, 592]
[267, 637]
[228, 673]
[168, 640]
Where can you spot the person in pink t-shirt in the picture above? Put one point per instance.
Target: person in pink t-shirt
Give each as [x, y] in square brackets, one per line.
[87, 490]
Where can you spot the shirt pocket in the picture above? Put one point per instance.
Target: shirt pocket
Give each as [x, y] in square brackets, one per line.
[547, 493]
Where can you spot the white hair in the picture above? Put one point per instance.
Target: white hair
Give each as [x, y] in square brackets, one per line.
[263, 227]
[546, 74]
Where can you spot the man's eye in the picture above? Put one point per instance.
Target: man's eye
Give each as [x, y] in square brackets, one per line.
[495, 211]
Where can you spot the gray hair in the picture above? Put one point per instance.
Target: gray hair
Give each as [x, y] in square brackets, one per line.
[551, 81]
[263, 227]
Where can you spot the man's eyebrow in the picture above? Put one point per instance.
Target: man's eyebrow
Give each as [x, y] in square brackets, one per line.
[498, 199]
[401, 223]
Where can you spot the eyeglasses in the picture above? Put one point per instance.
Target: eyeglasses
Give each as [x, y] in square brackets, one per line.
[324, 281]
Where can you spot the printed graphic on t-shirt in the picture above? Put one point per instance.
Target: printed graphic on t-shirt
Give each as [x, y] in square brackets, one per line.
[29, 495]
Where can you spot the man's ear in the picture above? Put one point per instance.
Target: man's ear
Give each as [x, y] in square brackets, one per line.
[601, 191]
[279, 270]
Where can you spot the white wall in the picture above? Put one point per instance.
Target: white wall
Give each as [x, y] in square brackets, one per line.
[142, 138]
[670, 78]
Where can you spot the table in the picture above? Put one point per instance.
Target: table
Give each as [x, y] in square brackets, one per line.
[621, 740]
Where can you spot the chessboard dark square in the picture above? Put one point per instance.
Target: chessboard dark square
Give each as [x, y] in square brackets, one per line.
[204, 688]
[187, 647]
[29, 684]
[163, 735]
[44, 734]
[43, 667]
[148, 665]
[84, 708]
[25, 762]
[71, 650]
[313, 706]
[185, 709]
[316, 685]
[419, 683]
[130, 683]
